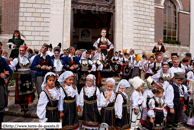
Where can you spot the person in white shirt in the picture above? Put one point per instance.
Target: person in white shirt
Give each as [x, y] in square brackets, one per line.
[34, 72]
[50, 51]
[175, 68]
[136, 102]
[121, 116]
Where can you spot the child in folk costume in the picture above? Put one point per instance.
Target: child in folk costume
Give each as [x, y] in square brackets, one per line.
[121, 115]
[147, 95]
[189, 117]
[136, 101]
[47, 108]
[68, 101]
[24, 85]
[114, 65]
[174, 97]
[86, 68]
[97, 68]
[157, 110]
[107, 102]
[90, 102]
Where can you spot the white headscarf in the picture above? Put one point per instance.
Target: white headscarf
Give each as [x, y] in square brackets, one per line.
[123, 84]
[65, 76]
[44, 82]
[91, 76]
[23, 59]
[164, 57]
[111, 80]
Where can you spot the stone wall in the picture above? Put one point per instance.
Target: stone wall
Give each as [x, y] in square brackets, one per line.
[34, 19]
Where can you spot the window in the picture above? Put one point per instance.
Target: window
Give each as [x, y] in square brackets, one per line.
[0, 14]
[170, 20]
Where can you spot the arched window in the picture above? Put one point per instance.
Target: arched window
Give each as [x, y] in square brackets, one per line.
[170, 20]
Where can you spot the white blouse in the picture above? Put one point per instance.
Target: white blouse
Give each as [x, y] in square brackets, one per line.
[100, 66]
[57, 64]
[152, 107]
[42, 103]
[137, 64]
[118, 105]
[103, 102]
[84, 61]
[156, 76]
[89, 91]
[70, 92]
[190, 75]
[173, 70]
[136, 99]
[105, 39]
[23, 60]
[147, 94]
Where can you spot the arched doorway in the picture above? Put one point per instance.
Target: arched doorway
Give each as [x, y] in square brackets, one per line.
[88, 18]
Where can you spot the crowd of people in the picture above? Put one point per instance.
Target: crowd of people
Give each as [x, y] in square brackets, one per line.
[68, 81]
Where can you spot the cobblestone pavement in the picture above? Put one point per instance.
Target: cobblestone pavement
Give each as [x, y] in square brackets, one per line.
[13, 115]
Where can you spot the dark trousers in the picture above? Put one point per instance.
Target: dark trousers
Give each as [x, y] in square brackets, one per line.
[1, 118]
[6, 95]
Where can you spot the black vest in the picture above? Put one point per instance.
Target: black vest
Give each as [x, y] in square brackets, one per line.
[44, 62]
[176, 93]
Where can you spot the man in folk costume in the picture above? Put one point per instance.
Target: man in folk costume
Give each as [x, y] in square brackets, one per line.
[50, 51]
[24, 85]
[173, 56]
[98, 68]
[60, 49]
[114, 65]
[43, 64]
[174, 96]
[5, 71]
[103, 43]
[125, 66]
[71, 63]
[157, 64]
[175, 68]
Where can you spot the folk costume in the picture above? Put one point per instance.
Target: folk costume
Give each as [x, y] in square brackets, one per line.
[86, 65]
[173, 70]
[24, 92]
[48, 103]
[108, 108]
[42, 60]
[98, 68]
[122, 122]
[115, 66]
[137, 66]
[158, 110]
[125, 67]
[68, 101]
[156, 67]
[157, 49]
[160, 77]
[106, 71]
[174, 97]
[104, 44]
[90, 102]
[136, 102]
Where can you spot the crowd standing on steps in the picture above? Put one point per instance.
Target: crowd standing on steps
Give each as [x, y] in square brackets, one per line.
[68, 82]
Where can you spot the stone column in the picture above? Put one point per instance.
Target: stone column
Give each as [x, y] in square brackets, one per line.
[192, 27]
[66, 24]
[56, 22]
[118, 25]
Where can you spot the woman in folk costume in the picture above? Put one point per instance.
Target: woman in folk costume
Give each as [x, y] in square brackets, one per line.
[107, 102]
[147, 95]
[15, 43]
[137, 66]
[68, 101]
[157, 110]
[103, 43]
[90, 102]
[125, 66]
[136, 102]
[121, 115]
[159, 48]
[48, 103]
[114, 65]
[24, 93]
[98, 68]
[163, 75]
[106, 72]
[86, 68]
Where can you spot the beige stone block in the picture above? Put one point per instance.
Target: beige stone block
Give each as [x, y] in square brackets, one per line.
[40, 1]
[36, 14]
[31, 1]
[47, 6]
[39, 19]
[27, 23]
[20, 23]
[30, 18]
[35, 33]
[45, 24]
[29, 38]
[21, 5]
[27, 5]
[46, 38]
[39, 10]
[22, 28]
[22, 18]
[27, 33]
[35, 23]
[38, 38]
[36, 5]
[23, 9]
[31, 10]
[47, 10]
[45, 15]
[30, 28]
[44, 33]
[46, 19]
[23, 1]
[38, 28]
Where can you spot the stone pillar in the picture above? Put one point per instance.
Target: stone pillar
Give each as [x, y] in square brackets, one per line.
[192, 27]
[56, 22]
[66, 24]
[118, 25]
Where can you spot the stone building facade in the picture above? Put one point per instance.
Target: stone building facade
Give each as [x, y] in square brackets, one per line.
[136, 24]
